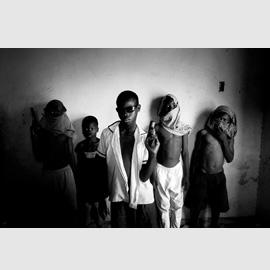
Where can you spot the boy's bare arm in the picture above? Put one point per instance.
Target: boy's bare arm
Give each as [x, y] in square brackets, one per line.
[228, 149]
[227, 145]
[148, 168]
[185, 157]
[196, 154]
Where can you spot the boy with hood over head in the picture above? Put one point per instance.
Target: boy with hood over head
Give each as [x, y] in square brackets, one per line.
[214, 144]
[53, 136]
[172, 162]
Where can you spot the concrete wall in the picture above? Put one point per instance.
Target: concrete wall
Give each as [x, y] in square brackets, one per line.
[88, 82]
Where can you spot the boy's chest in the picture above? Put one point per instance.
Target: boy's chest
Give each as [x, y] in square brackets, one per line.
[168, 139]
[212, 146]
[88, 150]
[127, 144]
[89, 147]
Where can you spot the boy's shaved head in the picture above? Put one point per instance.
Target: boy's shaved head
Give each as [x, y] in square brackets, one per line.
[125, 96]
[89, 119]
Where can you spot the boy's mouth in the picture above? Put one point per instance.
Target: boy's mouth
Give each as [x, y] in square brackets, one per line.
[88, 134]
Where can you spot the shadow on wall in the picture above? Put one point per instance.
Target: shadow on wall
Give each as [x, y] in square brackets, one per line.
[3, 162]
[154, 108]
[23, 194]
[77, 124]
[21, 185]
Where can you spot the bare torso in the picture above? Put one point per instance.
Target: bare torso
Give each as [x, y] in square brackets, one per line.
[170, 148]
[127, 144]
[211, 154]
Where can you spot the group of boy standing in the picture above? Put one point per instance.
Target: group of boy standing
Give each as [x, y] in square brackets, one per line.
[144, 176]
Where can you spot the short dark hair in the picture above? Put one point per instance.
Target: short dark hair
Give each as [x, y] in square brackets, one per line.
[125, 96]
[88, 120]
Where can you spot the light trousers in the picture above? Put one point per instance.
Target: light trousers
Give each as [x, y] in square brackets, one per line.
[169, 195]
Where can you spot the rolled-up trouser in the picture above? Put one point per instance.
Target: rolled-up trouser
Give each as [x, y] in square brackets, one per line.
[169, 194]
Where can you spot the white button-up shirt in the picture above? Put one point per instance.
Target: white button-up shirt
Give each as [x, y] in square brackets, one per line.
[109, 148]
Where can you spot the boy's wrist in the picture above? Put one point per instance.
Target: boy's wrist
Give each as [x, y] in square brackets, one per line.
[152, 155]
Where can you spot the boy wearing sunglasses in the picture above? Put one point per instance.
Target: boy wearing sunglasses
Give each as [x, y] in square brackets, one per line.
[130, 162]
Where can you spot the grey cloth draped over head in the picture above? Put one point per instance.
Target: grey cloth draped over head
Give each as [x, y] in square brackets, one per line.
[171, 121]
[55, 119]
[231, 129]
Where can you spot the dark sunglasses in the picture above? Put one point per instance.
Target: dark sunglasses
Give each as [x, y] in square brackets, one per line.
[129, 109]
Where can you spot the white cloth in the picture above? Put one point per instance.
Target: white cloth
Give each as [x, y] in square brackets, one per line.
[171, 121]
[58, 125]
[109, 148]
[169, 194]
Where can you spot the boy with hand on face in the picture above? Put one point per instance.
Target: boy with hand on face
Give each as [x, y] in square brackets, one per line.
[92, 175]
[214, 144]
[172, 162]
[130, 161]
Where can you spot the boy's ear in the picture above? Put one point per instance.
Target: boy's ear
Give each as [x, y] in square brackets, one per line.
[139, 107]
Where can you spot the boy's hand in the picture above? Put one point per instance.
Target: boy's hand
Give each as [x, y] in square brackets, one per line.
[185, 183]
[220, 134]
[104, 208]
[35, 130]
[152, 145]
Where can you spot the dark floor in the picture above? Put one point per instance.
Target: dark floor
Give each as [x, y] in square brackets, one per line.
[237, 222]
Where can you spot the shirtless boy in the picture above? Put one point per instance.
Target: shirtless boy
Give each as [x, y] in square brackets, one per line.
[213, 145]
[172, 162]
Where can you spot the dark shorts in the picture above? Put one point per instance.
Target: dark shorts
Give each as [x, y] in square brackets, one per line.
[122, 216]
[208, 189]
[90, 190]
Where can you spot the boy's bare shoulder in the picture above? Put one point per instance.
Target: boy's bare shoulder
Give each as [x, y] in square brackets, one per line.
[202, 133]
[205, 135]
[160, 130]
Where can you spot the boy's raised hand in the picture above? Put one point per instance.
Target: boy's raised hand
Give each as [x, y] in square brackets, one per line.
[220, 134]
[152, 145]
[185, 183]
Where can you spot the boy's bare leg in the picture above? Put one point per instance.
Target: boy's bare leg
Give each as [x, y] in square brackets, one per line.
[87, 211]
[194, 217]
[214, 217]
[97, 217]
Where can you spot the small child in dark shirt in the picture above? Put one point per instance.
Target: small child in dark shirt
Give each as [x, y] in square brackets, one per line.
[91, 174]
